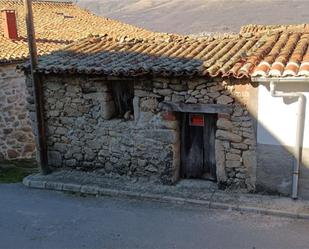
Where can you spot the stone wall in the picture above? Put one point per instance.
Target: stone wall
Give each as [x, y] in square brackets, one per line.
[16, 138]
[83, 134]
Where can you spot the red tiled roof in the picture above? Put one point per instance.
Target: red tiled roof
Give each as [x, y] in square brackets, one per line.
[104, 55]
[270, 54]
[254, 28]
[60, 23]
[287, 56]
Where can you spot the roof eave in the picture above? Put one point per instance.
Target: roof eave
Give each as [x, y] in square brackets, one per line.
[280, 79]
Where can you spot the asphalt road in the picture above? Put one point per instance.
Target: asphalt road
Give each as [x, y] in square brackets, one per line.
[44, 219]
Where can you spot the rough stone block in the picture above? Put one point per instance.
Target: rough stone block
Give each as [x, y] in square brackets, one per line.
[71, 187]
[224, 100]
[54, 186]
[224, 124]
[220, 162]
[233, 164]
[54, 158]
[234, 157]
[229, 136]
[88, 189]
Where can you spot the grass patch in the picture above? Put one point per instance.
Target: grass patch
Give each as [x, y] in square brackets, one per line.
[15, 171]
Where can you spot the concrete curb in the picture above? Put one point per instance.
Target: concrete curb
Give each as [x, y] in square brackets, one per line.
[99, 191]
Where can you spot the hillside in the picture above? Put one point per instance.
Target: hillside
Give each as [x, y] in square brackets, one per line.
[194, 16]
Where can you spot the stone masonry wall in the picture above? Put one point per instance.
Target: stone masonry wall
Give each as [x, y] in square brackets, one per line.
[16, 138]
[83, 134]
[235, 136]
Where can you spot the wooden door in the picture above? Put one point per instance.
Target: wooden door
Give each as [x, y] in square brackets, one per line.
[198, 146]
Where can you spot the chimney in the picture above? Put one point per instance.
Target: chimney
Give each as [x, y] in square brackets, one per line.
[9, 24]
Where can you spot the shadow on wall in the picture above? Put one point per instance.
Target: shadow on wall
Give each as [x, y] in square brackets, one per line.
[276, 137]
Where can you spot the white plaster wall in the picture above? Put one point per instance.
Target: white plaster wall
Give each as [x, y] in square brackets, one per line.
[277, 120]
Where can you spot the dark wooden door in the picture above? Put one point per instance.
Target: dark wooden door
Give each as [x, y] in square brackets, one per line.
[198, 146]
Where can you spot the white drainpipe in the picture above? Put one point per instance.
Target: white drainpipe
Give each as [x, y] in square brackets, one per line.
[300, 124]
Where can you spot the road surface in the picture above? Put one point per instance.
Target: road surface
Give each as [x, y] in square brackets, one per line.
[42, 219]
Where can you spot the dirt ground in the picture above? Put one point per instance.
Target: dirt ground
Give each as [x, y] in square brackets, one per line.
[195, 16]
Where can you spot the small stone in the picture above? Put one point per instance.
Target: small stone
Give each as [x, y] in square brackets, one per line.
[54, 158]
[193, 84]
[151, 168]
[178, 87]
[163, 92]
[12, 154]
[196, 92]
[246, 124]
[29, 148]
[235, 151]
[203, 101]
[142, 93]
[141, 163]
[220, 161]
[177, 98]
[238, 112]
[61, 131]
[248, 135]
[240, 146]
[233, 164]
[71, 163]
[240, 175]
[127, 115]
[53, 113]
[224, 100]
[226, 135]
[204, 91]
[216, 88]
[7, 131]
[201, 87]
[191, 100]
[12, 99]
[249, 141]
[158, 84]
[213, 95]
[224, 124]
[233, 157]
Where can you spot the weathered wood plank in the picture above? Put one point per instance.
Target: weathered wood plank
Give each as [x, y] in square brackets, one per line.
[195, 108]
[38, 91]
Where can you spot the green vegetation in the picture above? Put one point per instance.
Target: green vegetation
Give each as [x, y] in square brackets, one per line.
[15, 171]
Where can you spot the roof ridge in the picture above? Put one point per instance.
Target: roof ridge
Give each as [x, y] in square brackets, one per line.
[38, 2]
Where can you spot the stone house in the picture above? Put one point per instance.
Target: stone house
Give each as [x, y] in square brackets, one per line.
[218, 109]
[57, 24]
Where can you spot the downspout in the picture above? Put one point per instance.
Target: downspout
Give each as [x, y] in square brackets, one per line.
[299, 132]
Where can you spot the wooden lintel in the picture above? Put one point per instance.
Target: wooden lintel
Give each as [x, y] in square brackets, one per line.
[195, 108]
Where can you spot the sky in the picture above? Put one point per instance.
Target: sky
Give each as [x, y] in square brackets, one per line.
[195, 16]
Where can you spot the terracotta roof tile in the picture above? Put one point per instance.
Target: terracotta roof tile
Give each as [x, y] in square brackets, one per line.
[261, 54]
[254, 28]
[287, 57]
[104, 55]
[58, 24]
